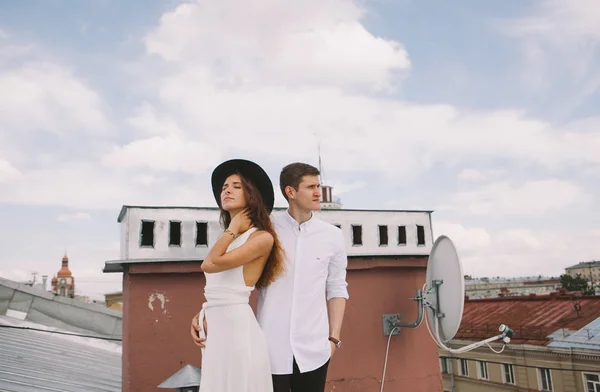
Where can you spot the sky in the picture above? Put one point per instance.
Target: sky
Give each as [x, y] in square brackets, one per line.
[487, 113]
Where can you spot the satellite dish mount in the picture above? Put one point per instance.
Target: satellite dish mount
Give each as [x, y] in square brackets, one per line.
[442, 299]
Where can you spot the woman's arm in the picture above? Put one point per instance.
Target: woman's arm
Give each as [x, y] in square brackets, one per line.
[258, 245]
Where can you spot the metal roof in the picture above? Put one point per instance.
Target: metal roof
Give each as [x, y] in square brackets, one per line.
[533, 318]
[587, 337]
[45, 361]
[584, 264]
[527, 280]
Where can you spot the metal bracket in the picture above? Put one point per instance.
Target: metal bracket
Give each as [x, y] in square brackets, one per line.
[390, 321]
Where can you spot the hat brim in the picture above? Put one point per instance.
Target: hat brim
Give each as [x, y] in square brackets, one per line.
[251, 171]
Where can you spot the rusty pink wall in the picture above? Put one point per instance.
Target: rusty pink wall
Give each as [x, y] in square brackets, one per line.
[160, 300]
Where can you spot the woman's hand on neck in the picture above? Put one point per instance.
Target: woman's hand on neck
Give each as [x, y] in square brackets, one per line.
[240, 221]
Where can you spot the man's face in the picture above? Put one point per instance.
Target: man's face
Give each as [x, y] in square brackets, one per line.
[308, 195]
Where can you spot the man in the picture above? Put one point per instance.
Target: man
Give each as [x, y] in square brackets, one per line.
[301, 313]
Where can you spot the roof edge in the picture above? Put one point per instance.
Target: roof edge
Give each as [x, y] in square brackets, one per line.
[116, 266]
[125, 207]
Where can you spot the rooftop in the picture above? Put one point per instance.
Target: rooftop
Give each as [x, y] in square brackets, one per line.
[585, 264]
[48, 361]
[126, 207]
[533, 318]
[500, 280]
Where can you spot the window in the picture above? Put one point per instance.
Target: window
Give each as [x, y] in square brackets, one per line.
[508, 373]
[545, 379]
[356, 235]
[464, 368]
[201, 233]
[420, 235]
[592, 382]
[401, 235]
[383, 235]
[147, 234]
[483, 370]
[174, 233]
[444, 365]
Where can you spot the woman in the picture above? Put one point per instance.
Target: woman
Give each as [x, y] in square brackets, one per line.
[246, 255]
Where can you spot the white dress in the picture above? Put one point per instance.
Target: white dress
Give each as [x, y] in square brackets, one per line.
[236, 357]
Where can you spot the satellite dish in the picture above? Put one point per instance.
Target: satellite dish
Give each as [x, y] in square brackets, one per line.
[444, 272]
[442, 297]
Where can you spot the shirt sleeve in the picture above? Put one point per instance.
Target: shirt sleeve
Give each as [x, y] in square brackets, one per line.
[337, 287]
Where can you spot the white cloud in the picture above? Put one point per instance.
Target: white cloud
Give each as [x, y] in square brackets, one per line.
[88, 186]
[478, 175]
[46, 97]
[147, 123]
[518, 251]
[531, 198]
[297, 42]
[561, 20]
[74, 217]
[165, 153]
[8, 172]
[560, 41]
[245, 100]
[374, 131]
[199, 114]
[467, 239]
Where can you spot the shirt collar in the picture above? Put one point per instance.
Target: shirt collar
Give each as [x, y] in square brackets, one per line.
[299, 226]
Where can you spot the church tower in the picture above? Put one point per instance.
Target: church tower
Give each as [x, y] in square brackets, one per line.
[63, 283]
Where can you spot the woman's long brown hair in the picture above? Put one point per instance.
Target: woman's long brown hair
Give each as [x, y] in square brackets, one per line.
[259, 216]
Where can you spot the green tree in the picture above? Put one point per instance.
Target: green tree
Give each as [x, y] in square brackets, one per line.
[570, 283]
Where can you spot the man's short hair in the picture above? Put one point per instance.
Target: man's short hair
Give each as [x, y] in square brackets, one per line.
[292, 174]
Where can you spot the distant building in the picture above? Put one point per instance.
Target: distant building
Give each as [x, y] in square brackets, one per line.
[588, 270]
[555, 347]
[508, 287]
[63, 283]
[163, 287]
[114, 300]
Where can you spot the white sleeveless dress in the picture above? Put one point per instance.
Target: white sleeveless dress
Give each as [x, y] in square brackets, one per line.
[236, 357]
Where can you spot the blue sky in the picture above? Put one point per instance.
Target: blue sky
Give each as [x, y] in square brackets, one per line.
[486, 112]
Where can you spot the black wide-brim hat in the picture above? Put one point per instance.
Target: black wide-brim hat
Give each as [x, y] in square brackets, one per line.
[251, 171]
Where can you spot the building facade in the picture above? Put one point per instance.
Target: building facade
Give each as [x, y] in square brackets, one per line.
[556, 346]
[161, 252]
[506, 287]
[114, 300]
[588, 270]
[187, 233]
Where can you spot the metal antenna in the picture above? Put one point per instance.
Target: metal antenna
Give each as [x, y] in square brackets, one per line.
[320, 163]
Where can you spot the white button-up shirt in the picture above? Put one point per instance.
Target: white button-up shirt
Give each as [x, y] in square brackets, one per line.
[292, 311]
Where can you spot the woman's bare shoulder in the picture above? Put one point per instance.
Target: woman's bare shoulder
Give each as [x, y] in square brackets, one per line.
[261, 235]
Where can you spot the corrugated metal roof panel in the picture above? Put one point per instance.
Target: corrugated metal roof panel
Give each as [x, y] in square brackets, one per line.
[43, 361]
[533, 318]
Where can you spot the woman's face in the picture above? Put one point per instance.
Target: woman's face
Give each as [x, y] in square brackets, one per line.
[232, 194]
